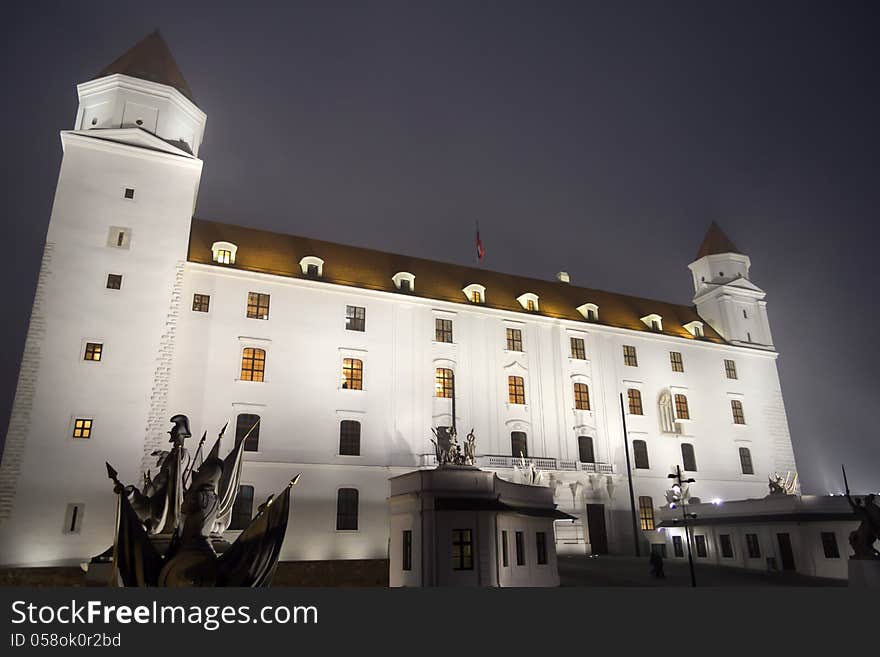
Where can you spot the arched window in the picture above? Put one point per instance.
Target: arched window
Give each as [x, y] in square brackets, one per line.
[646, 512]
[352, 374]
[585, 450]
[634, 397]
[247, 428]
[516, 390]
[681, 408]
[518, 444]
[243, 508]
[689, 460]
[347, 509]
[443, 382]
[253, 364]
[581, 397]
[736, 406]
[745, 461]
[640, 454]
[223, 253]
[349, 438]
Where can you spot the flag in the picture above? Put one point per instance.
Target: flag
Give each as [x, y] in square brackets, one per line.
[480, 250]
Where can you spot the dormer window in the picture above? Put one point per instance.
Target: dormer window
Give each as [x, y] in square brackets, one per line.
[312, 266]
[590, 311]
[404, 281]
[529, 301]
[223, 253]
[695, 328]
[475, 293]
[653, 322]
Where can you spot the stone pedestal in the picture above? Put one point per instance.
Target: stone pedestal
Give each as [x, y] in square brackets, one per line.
[864, 573]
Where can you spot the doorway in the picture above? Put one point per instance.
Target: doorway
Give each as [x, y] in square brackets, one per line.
[596, 528]
[785, 552]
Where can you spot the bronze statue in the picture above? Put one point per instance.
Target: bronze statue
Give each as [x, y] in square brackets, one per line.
[449, 451]
[862, 538]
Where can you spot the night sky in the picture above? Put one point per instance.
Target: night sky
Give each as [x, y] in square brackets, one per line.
[596, 138]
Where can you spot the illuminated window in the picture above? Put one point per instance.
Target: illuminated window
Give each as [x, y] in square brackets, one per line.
[223, 253]
[349, 438]
[475, 293]
[443, 382]
[516, 390]
[519, 540]
[675, 361]
[442, 330]
[223, 256]
[477, 296]
[243, 508]
[646, 512]
[247, 428]
[518, 444]
[681, 408]
[590, 311]
[829, 545]
[352, 374]
[629, 356]
[634, 397]
[201, 303]
[578, 351]
[640, 454]
[514, 339]
[93, 351]
[406, 547]
[355, 318]
[736, 406]
[585, 450]
[82, 428]
[462, 549]
[753, 547]
[541, 548]
[114, 281]
[346, 509]
[258, 305]
[730, 369]
[581, 397]
[688, 458]
[530, 304]
[745, 461]
[529, 301]
[253, 364]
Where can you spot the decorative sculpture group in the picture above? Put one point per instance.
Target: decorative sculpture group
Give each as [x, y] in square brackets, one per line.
[863, 537]
[449, 451]
[169, 533]
[780, 485]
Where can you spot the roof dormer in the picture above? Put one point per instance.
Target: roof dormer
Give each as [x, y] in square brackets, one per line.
[590, 311]
[404, 281]
[653, 322]
[695, 328]
[529, 301]
[223, 253]
[475, 293]
[312, 266]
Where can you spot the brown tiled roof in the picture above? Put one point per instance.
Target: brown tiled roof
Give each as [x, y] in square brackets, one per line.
[716, 242]
[278, 253]
[150, 59]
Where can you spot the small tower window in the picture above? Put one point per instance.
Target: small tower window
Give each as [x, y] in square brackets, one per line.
[253, 364]
[352, 374]
[224, 253]
[114, 281]
[119, 237]
[73, 518]
[201, 303]
[93, 351]
[82, 428]
[129, 193]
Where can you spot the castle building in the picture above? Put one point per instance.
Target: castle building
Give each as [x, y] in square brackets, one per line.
[349, 357]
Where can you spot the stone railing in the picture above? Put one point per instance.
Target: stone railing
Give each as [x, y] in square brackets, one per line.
[541, 462]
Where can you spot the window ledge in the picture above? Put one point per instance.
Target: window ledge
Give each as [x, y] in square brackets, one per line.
[246, 381]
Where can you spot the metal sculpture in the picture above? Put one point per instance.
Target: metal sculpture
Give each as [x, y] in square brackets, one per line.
[449, 451]
[862, 538]
[782, 485]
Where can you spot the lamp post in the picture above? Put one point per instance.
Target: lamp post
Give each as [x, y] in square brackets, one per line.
[677, 488]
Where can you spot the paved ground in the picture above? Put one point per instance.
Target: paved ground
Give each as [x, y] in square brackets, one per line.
[630, 571]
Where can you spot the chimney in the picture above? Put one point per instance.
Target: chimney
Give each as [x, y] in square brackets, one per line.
[562, 277]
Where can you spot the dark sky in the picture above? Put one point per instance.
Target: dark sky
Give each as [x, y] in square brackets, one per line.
[598, 138]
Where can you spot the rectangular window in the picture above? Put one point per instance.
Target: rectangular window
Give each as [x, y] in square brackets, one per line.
[201, 303]
[119, 237]
[640, 454]
[82, 428]
[634, 397]
[829, 545]
[253, 364]
[530, 305]
[514, 339]
[629, 356]
[352, 374]
[541, 548]
[520, 545]
[355, 318]
[406, 557]
[516, 390]
[700, 542]
[677, 547]
[258, 305]
[745, 461]
[243, 508]
[476, 296]
[462, 549]
[247, 428]
[726, 546]
[443, 382]
[581, 397]
[682, 412]
[578, 351]
[675, 361]
[114, 281]
[223, 256]
[518, 444]
[93, 351]
[730, 369]
[688, 458]
[646, 512]
[504, 549]
[736, 406]
[753, 547]
[347, 509]
[585, 450]
[349, 438]
[442, 330]
[129, 193]
[312, 270]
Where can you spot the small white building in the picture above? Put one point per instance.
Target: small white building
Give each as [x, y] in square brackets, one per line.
[462, 526]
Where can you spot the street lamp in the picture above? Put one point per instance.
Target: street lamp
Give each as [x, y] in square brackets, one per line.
[676, 490]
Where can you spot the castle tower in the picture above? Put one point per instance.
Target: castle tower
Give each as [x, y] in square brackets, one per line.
[725, 296]
[97, 355]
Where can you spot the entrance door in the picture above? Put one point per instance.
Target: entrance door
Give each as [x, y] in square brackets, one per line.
[596, 527]
[785, 551]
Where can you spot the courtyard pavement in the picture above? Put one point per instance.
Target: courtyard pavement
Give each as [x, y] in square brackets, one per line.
[606, 570]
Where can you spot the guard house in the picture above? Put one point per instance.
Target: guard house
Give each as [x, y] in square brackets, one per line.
[461, 526]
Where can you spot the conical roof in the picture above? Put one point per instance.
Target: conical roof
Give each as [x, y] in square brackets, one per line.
[150, 59]
[716, 242]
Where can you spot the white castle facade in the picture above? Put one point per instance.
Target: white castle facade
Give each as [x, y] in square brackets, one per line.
[349, 357]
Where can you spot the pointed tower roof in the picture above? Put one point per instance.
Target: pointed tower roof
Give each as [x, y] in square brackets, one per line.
[716, 242]
[150, 59]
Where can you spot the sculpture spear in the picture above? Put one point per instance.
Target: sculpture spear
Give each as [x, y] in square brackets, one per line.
[198, 451]
[845, 482]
